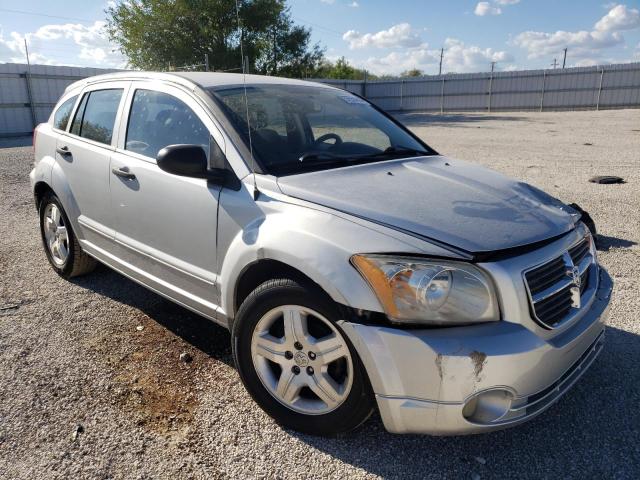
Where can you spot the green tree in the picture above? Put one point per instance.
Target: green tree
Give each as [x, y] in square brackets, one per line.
[163, 34]
[414, 72]
[342, 70]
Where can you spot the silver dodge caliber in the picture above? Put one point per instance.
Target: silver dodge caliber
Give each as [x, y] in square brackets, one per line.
[354, 266]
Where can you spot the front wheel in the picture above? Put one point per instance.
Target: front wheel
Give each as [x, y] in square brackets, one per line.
[295, 361]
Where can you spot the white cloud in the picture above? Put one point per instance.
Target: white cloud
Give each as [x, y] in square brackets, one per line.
[619, 18]
[583, 45]
[12, 50]
[401, 35]
[586, 62]
[485, 8]
[492, 8]
[396, 62]
[329, 2]
[64, 44]
[353, 4]
[458, 58]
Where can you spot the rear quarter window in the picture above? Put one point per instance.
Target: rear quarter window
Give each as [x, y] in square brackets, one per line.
[63, 113]
[96, 115]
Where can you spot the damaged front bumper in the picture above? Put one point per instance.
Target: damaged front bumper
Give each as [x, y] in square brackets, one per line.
[473, 379]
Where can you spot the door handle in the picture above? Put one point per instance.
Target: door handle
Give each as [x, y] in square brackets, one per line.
[123, 172]
[64, 151]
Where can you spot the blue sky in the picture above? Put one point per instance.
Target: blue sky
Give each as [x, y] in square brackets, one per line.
[385, 37]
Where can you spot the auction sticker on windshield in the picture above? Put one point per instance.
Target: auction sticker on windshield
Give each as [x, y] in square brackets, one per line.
[353, 100]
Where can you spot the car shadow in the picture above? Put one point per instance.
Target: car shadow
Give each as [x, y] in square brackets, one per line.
[592, 432]
[421, 119]
[606, 243]
[202, 333]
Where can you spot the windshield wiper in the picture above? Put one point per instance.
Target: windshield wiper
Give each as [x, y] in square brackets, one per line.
[395, 151]
[389, 151]
[320, 156]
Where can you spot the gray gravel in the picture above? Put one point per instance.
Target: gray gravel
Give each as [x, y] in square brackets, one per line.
[86, 393]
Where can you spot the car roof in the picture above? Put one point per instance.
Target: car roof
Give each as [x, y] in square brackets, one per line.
[213, 79]
[191, 79]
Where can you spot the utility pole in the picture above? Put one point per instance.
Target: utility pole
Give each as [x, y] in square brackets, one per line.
[441, 55]
[555, 63]
[564, 59]
[206, 62]
[493, 66]
[28, 78]
[26, 51]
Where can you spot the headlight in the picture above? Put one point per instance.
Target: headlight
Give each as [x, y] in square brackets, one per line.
[439, 292]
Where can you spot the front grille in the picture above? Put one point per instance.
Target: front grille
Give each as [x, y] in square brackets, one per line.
[579, 251]
[545, 276]
[553, 309]
[553, 288]
[584, 280]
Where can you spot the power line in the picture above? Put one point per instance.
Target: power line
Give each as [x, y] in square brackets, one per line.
[23, 12]
[321, 27]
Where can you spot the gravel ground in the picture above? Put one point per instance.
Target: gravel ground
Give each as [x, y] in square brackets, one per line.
[91, 385]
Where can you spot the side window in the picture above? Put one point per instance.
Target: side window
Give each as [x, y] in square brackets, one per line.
[61, 117]
[158, 119]
[77, 120]
[96, 115]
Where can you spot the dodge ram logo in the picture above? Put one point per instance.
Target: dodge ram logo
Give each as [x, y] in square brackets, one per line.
[301, 359]
[575, 275]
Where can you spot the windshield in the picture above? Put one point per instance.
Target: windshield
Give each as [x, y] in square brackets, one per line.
[297, 129]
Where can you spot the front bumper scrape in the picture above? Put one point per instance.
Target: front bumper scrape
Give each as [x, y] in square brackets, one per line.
[437, 381]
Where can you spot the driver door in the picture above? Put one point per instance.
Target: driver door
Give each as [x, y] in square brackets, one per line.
[165, 225]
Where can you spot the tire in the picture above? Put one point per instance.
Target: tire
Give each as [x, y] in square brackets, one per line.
[74, 262]
[349, 404]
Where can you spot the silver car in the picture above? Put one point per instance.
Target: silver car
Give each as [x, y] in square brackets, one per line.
[355, 267]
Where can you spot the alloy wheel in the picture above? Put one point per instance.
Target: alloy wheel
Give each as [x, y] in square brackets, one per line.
[302, 359]
[56, 234]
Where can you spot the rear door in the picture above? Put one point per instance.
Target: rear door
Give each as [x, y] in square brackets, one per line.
[165, 224]
[84, 154]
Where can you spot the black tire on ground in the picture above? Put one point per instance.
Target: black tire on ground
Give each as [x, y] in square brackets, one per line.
[358, 405]
[77, 262]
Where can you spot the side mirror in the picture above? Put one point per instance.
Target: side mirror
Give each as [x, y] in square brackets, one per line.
[191, 161]
[183, 160]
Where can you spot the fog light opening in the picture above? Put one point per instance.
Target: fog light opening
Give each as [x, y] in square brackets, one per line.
[488, 407]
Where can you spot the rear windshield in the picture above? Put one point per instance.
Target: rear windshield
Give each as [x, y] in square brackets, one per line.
[294, 129]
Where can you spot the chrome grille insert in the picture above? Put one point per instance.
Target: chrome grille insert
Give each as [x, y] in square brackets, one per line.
[556, 287]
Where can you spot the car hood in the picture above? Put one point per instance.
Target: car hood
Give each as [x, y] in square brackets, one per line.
[450, 201]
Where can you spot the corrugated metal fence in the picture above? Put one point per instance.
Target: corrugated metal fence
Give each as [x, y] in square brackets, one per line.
[601, 87]
[26, 100]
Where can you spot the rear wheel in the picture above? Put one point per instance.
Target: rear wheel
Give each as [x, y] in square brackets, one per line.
[60, 244]
[295, 361]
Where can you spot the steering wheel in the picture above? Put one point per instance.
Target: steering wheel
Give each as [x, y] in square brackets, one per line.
[329, 136]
